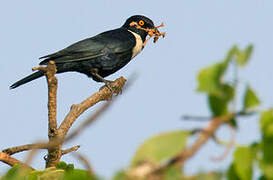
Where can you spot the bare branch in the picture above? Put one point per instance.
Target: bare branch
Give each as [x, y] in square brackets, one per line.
[206, 134]
[12, 161]
[75, 148]
[52, 98]
[85, 162]
[89, 121]
[229, 146]
[17, 149]
[76, 110]
[57, 136]
[196, 118]
[54, 152]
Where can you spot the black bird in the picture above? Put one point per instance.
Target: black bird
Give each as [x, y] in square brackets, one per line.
[101, 55]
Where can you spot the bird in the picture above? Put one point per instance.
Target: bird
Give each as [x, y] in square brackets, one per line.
[101, 55]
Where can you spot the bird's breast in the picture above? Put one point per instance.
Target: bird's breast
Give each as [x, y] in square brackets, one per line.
[139, 44]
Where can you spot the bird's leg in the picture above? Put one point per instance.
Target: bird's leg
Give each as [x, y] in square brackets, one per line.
[107, 82]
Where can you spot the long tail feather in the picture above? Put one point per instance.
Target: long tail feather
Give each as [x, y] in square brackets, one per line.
[27, 79]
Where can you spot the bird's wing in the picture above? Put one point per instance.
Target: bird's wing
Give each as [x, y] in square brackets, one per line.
[100, 45]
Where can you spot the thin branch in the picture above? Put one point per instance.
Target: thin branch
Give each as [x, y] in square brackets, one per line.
[17, 149]
[30, 156]
[206, 134]
[57, 136]
[90, 120]
[196, 118]
[85, 162]
[75, 148]
[12, 161]
[52, 82]
[209, 118]
[54, 153]
[229, 146]
[52, 98]
[76, 110]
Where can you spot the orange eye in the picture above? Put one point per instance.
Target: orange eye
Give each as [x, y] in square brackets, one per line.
[141, 22]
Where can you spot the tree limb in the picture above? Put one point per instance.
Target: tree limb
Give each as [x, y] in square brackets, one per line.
[204, 136]
[17, 149]
[12, 161]
[75, 148]
[57, 135]
[77, 109]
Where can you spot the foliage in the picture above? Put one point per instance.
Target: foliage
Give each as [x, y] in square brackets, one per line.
[222, 95]
[62, 171]
[161, 147]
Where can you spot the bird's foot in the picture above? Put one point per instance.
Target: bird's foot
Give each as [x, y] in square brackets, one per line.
[110, 85]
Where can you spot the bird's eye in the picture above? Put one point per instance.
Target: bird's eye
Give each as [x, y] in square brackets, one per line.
[141, 22]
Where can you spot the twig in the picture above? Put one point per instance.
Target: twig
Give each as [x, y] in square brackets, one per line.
[89, 121]
[99, 112]
[54, 152]
[75, 148]
[57, 136]
[52, 82]
[196, 118]
[209, 118]
[85, 162]
[12, 161]
[17, 149]
[30, 156]
[76, 110]
[187, 153]
[228, 148]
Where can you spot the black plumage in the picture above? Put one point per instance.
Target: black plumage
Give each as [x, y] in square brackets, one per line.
[101, 55]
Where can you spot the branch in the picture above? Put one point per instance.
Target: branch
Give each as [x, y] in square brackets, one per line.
[17, 149]
[76, 110]
[57, 136]
[12, 161]
[75, 148]
[85, 162]
[52, 82]
[54, 153]
[204, 136]
[90, 120]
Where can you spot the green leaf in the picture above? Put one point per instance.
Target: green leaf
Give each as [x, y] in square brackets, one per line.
[231, 53]
[208, 176]
[266, 122]
[174, 173]
[231, 173]
[34, 175]
[243, 158]
[121, 175]
[243, 56]
[219, 105]
[52, 174]
[17, 172]
[77, 174]
[61, 165]
[266, 163]
[209, 79]
[250, 99]
[161, 147]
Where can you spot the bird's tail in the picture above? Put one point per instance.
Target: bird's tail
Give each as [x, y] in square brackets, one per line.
[27, 79]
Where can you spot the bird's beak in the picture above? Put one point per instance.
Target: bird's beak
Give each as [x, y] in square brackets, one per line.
[152, 32]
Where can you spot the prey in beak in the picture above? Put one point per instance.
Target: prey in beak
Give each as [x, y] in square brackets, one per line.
[154, 32]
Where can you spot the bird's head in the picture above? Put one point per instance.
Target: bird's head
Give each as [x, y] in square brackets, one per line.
[134, 22]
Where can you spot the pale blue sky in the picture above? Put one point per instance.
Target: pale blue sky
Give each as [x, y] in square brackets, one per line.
[199, 33]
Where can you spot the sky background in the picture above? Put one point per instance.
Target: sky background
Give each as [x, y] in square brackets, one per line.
[199, 33]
